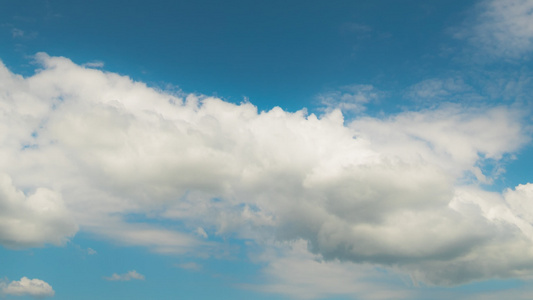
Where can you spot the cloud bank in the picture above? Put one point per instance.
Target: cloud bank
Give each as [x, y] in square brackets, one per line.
[85, 149]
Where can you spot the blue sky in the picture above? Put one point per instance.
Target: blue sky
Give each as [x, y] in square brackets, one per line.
[266, 150]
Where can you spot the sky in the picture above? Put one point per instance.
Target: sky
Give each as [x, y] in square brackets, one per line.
[266, 149]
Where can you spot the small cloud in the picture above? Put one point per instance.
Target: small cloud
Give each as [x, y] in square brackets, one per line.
[94, 64]
[192, 266]
[21, 34]
[201, 232]
[27, 287]
[125, 277]
[17, 32]
[83, 251]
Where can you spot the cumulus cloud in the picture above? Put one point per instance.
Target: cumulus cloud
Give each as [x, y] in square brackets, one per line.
[27, 287]
[111, 153]
[501, 28]
[32, 220]
[125, 277]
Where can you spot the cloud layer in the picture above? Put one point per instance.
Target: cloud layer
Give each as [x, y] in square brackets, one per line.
[84, 149]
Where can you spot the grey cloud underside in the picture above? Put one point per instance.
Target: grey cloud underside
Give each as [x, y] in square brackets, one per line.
[81, 147]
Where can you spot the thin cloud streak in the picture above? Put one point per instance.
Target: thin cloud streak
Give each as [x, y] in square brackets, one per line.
[131, 275]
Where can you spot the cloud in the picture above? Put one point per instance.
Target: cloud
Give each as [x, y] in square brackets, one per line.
[125, 277]
[91, 251]
[360, 30]
[159, 240]
[303, 275]
[94, 64]
[123, 159]
[27, 287]
[501, 28]
[349, 99]
[434, 91]
[17, 32]
[192, 266]
[201, 232]
[34, 220]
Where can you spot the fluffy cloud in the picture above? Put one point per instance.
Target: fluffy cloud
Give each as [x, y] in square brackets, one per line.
[27, 287]
[400, 192]
[126, 276]
[502, 28]
[32, 220]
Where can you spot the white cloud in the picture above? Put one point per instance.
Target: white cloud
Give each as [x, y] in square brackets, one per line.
[501, 28]
[521, 201]
[370, 193]
[91, 251]
[125, 277]
[33, 220]
[27, 287]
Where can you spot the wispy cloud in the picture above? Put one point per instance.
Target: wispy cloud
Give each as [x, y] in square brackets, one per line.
[349, 99]
[17, 32]
[192, 266]
[94, 64]
[356, 28]
[131, 275]
[501, 29]
[435, 91]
